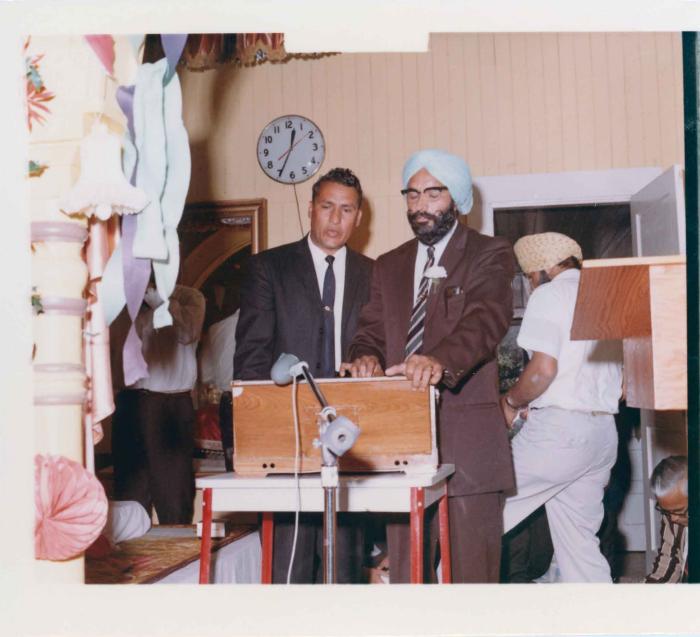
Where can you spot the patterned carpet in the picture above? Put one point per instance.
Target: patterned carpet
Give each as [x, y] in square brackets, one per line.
[153, 556]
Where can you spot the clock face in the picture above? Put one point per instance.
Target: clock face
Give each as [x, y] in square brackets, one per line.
[291, 149]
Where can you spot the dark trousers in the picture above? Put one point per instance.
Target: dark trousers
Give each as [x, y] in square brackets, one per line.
[152, 445]
[527, 549]
[308, 557]
[476, 526]
[226, 428]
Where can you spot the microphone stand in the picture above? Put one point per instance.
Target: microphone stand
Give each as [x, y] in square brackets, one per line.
[337, 434]
[329, 482]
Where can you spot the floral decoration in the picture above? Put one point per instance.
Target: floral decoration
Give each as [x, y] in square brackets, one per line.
[37, 307]
[435, 274]
[36, 169]
[37, 95]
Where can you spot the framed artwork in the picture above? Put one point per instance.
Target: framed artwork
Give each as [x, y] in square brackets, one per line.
[213, 232]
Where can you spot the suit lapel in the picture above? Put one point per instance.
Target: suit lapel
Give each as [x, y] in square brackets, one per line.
[307, 273]
[400, 295]
[450, 260]
[352, 279]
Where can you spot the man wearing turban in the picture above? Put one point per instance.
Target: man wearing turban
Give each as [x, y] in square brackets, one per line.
[569, 391]
[439, 305]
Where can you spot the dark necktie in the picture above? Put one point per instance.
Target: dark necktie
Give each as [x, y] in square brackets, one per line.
[416, 326]
[328, 300]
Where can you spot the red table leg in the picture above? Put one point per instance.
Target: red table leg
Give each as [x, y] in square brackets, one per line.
[417, 510]
[205, 551]
[268, 528]
[445, 553]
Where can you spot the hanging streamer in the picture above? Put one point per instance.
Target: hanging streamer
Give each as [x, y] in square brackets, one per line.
[103, 46]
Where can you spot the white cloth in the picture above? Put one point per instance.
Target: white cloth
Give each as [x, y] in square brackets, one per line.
[320, 266]
[235, 563]
[126, 520]
[218, 348]
[563, 459]
[589, 375]
[422, 258]
[171, 352]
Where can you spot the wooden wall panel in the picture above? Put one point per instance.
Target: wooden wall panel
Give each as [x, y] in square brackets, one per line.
[585, 105]
[569, 102]
[489, 103]
[509, 103]
[633, 98]
[554, 134]
[617, 104]
[602, 132]
[520, 88]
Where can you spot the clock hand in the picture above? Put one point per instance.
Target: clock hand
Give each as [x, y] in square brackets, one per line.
[289, 150]
[291, 141]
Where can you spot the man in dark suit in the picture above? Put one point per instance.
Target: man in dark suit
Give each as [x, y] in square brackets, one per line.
[304, 298]
[439, 305]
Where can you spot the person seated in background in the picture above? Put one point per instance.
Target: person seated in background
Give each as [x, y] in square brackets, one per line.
[216, 366]
[669, 484]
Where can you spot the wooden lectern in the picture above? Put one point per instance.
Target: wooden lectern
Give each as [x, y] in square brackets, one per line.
[397, 426]
[641, 300]
[397, 433]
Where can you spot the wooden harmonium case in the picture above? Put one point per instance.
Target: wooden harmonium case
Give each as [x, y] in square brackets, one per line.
[397, 425]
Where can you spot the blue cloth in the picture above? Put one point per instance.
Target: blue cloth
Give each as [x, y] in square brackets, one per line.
[451, 170]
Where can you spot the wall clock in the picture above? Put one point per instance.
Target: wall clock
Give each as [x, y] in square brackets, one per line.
[291, 149]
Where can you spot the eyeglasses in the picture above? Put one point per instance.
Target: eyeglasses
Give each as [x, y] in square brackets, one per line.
[678, 514]
[413, 196]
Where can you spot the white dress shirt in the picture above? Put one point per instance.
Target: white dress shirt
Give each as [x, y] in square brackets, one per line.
[422, 258]
[218, 348]
[170, 352]
[321, 265]
[589, 373]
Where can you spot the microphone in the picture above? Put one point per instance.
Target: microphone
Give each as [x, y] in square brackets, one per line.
[286, 367]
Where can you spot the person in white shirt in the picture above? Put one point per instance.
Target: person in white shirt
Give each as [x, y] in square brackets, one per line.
[569, 392]
[153, 427]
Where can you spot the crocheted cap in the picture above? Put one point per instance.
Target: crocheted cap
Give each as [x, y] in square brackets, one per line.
[544, 250]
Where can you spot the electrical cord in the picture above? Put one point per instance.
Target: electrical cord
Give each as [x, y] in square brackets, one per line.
[297, 461]
[301, 225]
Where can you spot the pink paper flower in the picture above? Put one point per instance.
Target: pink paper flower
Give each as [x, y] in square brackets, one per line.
[71, 508]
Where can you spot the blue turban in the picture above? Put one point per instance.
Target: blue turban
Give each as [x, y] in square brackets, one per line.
[451, 170]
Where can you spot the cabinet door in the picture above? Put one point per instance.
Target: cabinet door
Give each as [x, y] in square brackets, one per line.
[658, 216]
[658, 229]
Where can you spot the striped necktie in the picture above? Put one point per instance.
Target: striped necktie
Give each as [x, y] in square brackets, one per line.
[416, 326]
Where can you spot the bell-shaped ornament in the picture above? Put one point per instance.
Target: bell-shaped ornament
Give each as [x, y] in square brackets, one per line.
[102, 189]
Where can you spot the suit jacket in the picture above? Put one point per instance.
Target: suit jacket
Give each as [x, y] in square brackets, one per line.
[466, 318]
[281, 309]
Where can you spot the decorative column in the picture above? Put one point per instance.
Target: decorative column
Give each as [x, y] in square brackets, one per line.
[66, 89]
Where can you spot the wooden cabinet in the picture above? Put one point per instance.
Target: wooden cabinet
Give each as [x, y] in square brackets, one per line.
[641, 300]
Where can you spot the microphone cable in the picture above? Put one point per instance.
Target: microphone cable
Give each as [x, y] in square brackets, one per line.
[301, 225]
[297, 462]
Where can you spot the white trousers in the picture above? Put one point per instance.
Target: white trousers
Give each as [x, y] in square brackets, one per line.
[562, 459]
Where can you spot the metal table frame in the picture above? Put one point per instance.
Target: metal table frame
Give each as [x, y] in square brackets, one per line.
[375, 492]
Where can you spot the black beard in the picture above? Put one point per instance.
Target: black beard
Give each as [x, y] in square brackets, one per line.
[442, 223]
